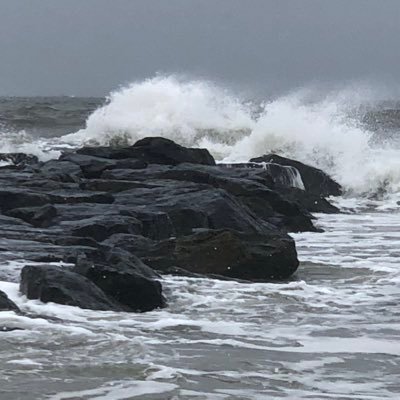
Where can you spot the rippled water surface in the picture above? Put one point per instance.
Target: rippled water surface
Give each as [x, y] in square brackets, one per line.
[333, 332]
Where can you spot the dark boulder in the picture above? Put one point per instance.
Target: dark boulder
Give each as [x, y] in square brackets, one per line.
[61, 171]
[131, 243]
[253, 257]
[18, 198]
[125, 260]
[6, 304]
[315, 180]
[190, 206]
[308, 201]
[109, 185]
[156, 225]
[153, 150]
[92, 167]
[19, 159]
[251, 189]
[157, 150]
[59, 285]
[273, 174]
[124, 281]
[76, 196]
[36, 216]
[101, 227]
[214, 253]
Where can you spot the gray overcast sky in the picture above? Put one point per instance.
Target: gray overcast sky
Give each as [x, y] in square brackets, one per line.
[89, 47]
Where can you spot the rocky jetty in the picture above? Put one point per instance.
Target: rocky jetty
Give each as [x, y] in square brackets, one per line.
[98, 227]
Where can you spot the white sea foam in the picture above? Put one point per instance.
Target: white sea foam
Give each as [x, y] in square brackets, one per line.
[321, 131]
[23, 142]
[119, 391]
[325, 335]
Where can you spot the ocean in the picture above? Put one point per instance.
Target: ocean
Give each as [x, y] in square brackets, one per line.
[331, 332]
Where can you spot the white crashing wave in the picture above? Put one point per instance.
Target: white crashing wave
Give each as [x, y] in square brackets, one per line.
[198, 113]
[23, 142]
[183, 111]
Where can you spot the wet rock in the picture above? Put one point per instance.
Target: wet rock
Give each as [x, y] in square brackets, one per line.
[315, 180]
[153, 150]
[190, 206]
[6, 304]
[19, 198]
[273, 174]
[251, 189]
[101, 227]
[119, 214]
[74, 197]
[125, 279]
[232, 254]
[134, 244]
[156, 225]
[109, 185]
[36, 216]
[61, 171]
[54, 284]
[92, 166]
[253, 257]
[309, 201]
[19, 159]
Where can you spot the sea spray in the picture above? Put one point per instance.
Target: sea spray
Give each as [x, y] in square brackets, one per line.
[323, 128]
[165, 106]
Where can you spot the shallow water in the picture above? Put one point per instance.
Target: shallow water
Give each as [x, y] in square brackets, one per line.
[330, 333]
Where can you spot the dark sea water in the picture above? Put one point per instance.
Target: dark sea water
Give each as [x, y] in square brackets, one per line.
[332, 332]
[46, 116]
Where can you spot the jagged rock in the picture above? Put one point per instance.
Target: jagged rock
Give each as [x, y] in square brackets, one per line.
[6, 304]
[309, 201]
[19, 198]
[108, 185]
[120, 213]
[190, 206]
[36, 216]
[100, 227]
[254, 257]
[58, 285]
[74, 197]
[92, 166]
[153, 150]
[19, 159]
[126, 279]
[250, 189]
[61, 171]
[273, 174]
[156, 225]
[315, 180]
[236, 255]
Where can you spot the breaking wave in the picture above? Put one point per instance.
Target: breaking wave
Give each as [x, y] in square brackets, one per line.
[326, 131]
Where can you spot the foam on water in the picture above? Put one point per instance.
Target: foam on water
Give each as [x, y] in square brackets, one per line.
[332, 332]
[23, 142]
